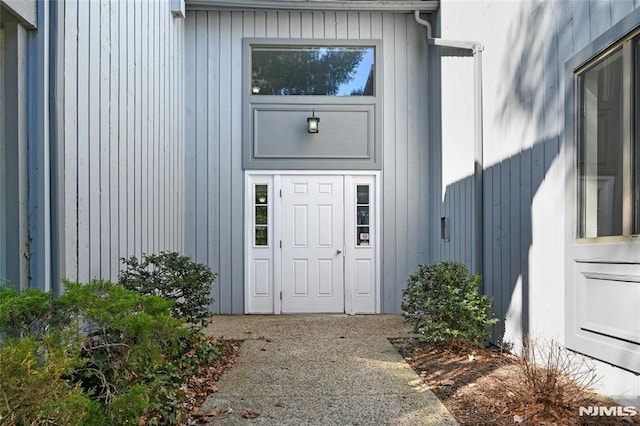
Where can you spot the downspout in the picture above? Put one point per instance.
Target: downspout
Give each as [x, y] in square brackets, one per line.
[478, 195]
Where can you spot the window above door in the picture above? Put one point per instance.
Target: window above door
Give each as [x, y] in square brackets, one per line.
[334, 84]
[312, 70]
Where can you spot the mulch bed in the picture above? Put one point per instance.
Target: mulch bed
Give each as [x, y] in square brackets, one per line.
[485, 386]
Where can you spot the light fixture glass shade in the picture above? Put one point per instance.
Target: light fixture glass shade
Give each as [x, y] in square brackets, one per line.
[312, 124]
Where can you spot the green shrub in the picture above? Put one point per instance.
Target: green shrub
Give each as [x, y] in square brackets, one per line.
[100, 354]
[33, 385]
[174, 276]
[130, 339]
[24, 314]
[442, 303]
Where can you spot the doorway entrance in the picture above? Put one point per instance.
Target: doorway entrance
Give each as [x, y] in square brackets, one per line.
[312, 245]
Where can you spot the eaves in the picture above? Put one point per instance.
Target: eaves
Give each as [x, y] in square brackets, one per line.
[317, 5]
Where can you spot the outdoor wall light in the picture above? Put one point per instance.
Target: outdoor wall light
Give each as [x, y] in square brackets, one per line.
[255, 88]
[312, 123]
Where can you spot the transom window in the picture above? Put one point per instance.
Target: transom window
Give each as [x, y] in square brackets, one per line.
[608, 150]
[313, 70]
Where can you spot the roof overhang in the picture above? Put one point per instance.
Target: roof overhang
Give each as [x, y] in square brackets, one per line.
[308, 5]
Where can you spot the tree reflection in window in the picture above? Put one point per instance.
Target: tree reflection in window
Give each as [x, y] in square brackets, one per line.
[325, 71]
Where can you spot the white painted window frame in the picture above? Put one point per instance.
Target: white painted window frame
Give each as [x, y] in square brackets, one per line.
[273, 304]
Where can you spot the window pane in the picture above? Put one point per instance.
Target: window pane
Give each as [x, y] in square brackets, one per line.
[600, 148]
[363, 215]
[261, 194]
[296, 70]
[261, 236]
[636, 138]
[363, 236]
[363, 194]
[261, 215]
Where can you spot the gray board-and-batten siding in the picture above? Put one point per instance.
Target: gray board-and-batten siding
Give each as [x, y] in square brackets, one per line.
[214, 222]
[118, 149]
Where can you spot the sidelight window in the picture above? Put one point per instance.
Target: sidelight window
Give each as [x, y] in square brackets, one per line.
[261, 215]
[363, 210]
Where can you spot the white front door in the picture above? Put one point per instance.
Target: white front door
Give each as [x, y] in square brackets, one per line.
[312, 224]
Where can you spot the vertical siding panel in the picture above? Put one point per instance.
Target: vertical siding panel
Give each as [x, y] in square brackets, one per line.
[83, 143]
[353, 25]
[389, 278]
[104, 187]
[413, 150]
[581, 31]
[516, 209]
[145, 194]
[153, 128]
[113, 130]
[225, 279]
[505, 232]
[203, 180]
[284, 31]
[94, 140]
[193, 43]
[272, 24]
[138, 133]
[335, 25]
[295, 24]
[122, 87]
[181, 129]
[260, 24]
[214, 199]
[307, 24]
[364, 26]
[489, 280]
[424, 130]
[619, 9]
[526, 229]
[318, 24]
[401, 154]
[131, 128]
[237, 187]
[163, 175]
[495, 236]
[71, 112]
[600, 17]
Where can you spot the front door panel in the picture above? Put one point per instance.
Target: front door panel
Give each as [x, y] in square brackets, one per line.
[312, 244]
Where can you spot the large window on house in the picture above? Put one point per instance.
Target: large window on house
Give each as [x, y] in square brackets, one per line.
[313, 70]
[608, 198]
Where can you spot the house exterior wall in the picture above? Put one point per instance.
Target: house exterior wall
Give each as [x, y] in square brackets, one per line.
[215, 225]
[526, 46]
[117, 134]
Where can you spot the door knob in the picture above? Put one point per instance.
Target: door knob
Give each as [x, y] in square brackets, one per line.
[338, 251]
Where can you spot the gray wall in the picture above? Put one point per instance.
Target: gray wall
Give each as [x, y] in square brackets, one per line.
[214, 199]
[118, 137]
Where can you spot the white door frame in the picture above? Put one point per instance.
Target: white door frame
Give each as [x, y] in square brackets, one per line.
[262, 294]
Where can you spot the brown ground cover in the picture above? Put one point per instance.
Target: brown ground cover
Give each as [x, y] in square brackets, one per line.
[485, 386]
